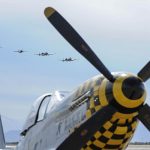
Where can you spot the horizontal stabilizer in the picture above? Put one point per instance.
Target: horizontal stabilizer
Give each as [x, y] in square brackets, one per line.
[2, 138]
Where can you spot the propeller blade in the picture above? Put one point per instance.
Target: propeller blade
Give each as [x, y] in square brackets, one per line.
[144, 116]
[67, 31]
[145, 72]
[82, 135]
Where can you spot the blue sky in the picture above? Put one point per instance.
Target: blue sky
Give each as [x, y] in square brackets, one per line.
[118, 32]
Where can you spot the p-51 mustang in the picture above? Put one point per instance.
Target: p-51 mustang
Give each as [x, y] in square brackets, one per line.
[68, 59]
[101, 113]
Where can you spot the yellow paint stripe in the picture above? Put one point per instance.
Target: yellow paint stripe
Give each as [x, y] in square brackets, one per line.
[123, 146]
[130, 120]
[49, 11]
[121, 98]
[92, 103]
[122, 121]
[128, 134]
[107, 125]
[121, 130]
[114, 142]
[108, 134]
[88, 114]
[88, 148]
[113, 119]
[97, 134]
[99, 144]
[98, 108]
[89, 143]
[102, 93]
[134, 125]
[125, 116]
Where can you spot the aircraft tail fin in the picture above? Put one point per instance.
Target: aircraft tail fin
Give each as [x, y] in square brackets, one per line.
[2, 137]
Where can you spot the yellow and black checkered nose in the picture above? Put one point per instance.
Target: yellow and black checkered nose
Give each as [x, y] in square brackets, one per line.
[127, 93]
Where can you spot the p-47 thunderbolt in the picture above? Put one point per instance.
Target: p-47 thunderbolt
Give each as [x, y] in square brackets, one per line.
[100, 114]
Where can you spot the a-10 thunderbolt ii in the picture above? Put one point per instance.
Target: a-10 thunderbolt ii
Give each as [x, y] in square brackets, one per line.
[101, 113]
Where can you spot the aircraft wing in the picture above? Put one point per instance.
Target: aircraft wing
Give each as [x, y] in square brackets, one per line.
[51, 54]
[74, 59]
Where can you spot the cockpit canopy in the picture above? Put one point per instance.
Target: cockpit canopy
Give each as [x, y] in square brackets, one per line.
[42, 107]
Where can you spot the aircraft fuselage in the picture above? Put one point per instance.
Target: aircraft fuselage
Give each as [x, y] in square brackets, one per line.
[79, 106]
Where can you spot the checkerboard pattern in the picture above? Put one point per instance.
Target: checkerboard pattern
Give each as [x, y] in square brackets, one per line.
[112, 136]
[115, 133]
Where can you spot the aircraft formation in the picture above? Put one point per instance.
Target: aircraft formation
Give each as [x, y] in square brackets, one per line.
[101, 114]
[40, 54]
[69, 59]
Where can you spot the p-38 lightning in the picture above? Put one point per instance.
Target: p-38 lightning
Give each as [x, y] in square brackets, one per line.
[101, 113]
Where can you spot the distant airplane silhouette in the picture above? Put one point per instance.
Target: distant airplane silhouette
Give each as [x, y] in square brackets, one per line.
[44, 54]
[20, 51]
[68, 59]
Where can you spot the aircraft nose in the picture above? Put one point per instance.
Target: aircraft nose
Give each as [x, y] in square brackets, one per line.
[129, 92]
[133, 88]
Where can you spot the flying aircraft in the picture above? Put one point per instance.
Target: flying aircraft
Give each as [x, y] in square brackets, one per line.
[100, 114]
[68, 59]
[44, 54]
[20, 51]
